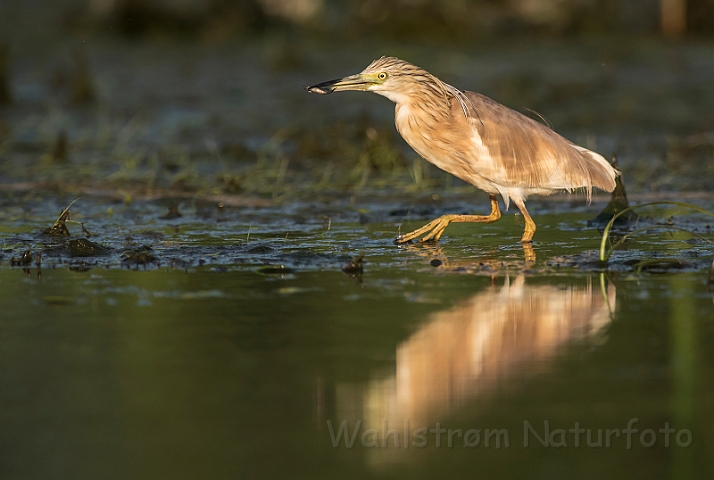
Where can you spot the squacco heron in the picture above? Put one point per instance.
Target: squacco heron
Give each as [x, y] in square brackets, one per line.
[478, 140]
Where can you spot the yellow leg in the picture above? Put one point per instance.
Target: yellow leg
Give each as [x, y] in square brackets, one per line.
[530, 224]
[433, 230]
[529, 254]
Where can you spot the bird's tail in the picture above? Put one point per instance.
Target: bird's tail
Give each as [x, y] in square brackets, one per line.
[602, 174]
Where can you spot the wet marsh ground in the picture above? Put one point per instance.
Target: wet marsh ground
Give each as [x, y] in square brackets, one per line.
[200, 323]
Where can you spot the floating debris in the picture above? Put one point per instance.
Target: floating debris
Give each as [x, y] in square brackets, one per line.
[139, 256]
[436, 262]
[83, 247]
[711, 276]
[354, 266]
[23, 261]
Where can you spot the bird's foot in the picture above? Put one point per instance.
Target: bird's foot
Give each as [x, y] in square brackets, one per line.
[527, 238]
[528, 233]
[432, 231]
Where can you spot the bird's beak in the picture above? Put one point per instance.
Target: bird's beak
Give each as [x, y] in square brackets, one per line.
[353, 82]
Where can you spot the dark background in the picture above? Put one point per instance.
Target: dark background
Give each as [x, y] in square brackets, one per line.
[206, 96]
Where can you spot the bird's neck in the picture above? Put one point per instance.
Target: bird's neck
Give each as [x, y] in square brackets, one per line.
[424, 121]
[426, 106]
[425, 93]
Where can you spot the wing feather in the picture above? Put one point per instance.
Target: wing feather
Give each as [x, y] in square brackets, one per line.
[527, 154]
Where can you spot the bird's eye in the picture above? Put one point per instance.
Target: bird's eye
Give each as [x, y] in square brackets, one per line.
[382, 76]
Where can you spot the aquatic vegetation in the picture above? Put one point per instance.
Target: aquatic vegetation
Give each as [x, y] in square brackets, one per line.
[604, 252]
[59, 228]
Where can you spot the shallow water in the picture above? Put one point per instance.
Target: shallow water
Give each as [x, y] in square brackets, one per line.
[239, 360]
[227, 341]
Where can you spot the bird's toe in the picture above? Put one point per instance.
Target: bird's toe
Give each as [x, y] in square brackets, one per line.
[401, 240]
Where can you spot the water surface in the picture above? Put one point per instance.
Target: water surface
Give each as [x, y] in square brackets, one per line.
[231, 369]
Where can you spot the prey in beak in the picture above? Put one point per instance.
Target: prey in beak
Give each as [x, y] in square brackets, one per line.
[360, 82]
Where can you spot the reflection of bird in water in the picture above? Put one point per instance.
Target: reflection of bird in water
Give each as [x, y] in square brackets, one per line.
[479, 141]
[462, 352]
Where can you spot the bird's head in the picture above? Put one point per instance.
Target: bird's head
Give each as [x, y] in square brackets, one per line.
[387, 76]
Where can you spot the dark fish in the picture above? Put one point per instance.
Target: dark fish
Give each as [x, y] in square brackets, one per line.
[323, 88]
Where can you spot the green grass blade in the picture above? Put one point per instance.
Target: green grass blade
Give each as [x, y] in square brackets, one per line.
[605, 255]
